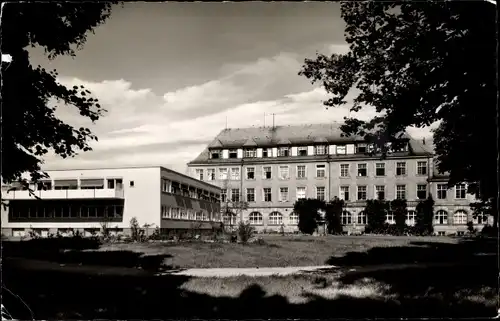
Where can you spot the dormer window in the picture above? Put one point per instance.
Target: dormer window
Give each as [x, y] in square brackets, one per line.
[215, 154]
[320, 150]
[302, 151]
[233, 153]
[361, 149]
[251, 152]
[341, 149]
[284, 151]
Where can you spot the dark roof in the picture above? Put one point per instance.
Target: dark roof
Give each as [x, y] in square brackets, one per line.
[294, 135]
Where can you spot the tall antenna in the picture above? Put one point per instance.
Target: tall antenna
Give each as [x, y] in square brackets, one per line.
[273, 120]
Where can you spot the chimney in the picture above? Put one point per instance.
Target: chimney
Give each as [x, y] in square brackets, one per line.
[423, 140]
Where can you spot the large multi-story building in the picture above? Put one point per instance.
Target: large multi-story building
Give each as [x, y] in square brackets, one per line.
[271, 167]
[85, 199]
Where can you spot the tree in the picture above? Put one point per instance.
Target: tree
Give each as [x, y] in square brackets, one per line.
[232, 208]
[333, 212]
[375, 211]
[425, 216]
[31, 95]
[399, 209]
[308, 214]
[418, 63]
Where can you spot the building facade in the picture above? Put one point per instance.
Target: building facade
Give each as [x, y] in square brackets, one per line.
[86, 199]
[270, 168]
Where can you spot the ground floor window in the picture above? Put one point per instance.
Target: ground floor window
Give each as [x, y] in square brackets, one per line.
[255, 218]
[294, 218]
[275, 218]
[362, 219]
[441, 217]
[346, 218]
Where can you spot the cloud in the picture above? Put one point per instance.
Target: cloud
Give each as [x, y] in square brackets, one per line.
[143, 128]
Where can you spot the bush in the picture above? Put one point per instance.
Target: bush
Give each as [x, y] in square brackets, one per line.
[308, 214]
[375, 211]
[399, 209]
[245, 231]
[333, 212]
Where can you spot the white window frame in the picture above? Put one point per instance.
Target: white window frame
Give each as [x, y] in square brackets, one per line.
[239, 194]
[342, 193]
[376, 191]
[287, 195]
[256, 218]
[411, 217]
[232, 151]
[346, 165]
[305, 172]
[390, 218]
[237, 176]
[359, 166]
[216, 151]
[462, 214]
[377, 167]
[264, 172]
[418, 168]
[246, 194]
[320, 150]
[404, 169]
[276, 222]
[209, 172]
[302, 148]
[221, 176]
[405, 191]
[321, 168]
[340, 147]
[417, 190]
[438, 215]
[281, 151]
[294, 221]
[445, 191]
[247, 171]
[269, 152]
[200, 174]
[346, 218]
[360, 191]
[362, 218]
[464, 191]
[250, 152]
[264, 194]
[282, 177]
[297, 192]
[324, 192]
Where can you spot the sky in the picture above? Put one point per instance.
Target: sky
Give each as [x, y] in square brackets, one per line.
[172, 75]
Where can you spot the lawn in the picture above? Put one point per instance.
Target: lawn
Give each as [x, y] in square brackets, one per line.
[277, 251]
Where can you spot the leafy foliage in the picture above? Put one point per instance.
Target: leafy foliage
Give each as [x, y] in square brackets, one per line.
[333, 212]
[308, 214]
[31, 95]
[399, 209]
[418, 63]
[425, 216]
[245, 231]
[375, 211]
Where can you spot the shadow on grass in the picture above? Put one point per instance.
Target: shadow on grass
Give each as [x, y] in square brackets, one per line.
[424, 292]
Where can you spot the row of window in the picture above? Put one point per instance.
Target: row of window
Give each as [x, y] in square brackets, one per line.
[72, 211]
[73, 184]
[286, 151]
[177, 188]
[361, 195]
[276, 218]
[301, 171]
[188, 214]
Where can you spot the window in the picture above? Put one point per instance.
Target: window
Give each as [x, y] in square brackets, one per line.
[410, 218]
[250, 173]
[361, 193]
[293, 219]
[441, 217]
[166, 186]
[380, 169]
[183, 213]
[301, 171]
[361, 148]
[235, 194]
[341, 149]
[460, 191]
[441, 191]
[132, 183]
[267, 194]
[421, 191]
[211, 174]
[251, 152]
[344, 170]
[389, 218]
[266, 171]
[284, 172]
[199, 174]
[302, 151]
[346, 218]
[223, 195]
[320, 193]
[255, 218]
[460, 217]
[320, 150]
[174, 212]
[284, 151]
[422, 168]
[283, 194]
[362, 169]
[320, 170]
[165, 211]
[344, 193]
[233, 153]
[380, 192]
[222, 173]
[111, 184]
[235, 173]
[267, 152]
[301, 192]
[480, 219]
[362, 219]
[401, 192]
[250, 195]
[401, 168]
[229, 219]
[441, 233]
[215, 154]
[275, 218]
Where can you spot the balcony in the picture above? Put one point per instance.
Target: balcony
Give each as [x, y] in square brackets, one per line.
[65, 194]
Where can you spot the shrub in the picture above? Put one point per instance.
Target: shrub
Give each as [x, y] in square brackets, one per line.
[399, 209]
[245, 231]
[333, 211]
[308, 214]
[137, 234]
[375, 211]
[425, 216]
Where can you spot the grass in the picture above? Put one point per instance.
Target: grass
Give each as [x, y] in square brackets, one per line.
[278, 251]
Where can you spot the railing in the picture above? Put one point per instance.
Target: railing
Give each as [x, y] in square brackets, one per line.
[64, 194]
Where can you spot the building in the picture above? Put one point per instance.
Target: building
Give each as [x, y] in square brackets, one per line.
[271, 167]
[86, 199]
